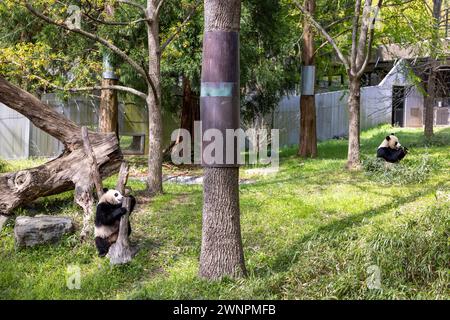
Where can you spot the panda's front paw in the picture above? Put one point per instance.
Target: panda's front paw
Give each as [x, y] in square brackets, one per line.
[123, 211]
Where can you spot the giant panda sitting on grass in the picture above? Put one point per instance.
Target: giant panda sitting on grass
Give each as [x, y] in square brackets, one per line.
[107, 219]
[391, 150]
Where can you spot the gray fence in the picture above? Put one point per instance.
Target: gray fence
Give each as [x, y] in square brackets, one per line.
[14, 134]
[332, 109]
[19, 138]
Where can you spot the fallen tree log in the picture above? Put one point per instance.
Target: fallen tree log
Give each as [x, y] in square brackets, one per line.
[71, 170]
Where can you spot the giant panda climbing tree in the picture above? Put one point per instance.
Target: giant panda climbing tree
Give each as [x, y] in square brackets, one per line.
[71, 170]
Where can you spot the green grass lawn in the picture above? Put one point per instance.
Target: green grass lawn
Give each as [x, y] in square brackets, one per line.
[312, 230]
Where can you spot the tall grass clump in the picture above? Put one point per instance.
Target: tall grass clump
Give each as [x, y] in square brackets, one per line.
[410, 170]
[410, 254]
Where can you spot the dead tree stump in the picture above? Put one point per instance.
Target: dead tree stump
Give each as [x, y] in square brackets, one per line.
[121, 252]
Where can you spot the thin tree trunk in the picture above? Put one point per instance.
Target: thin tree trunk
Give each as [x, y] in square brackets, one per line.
[190, 109]
[429, 103]
[354, 105]
[308, 135]
[154, 181]
[190, 112]
[108, 113]
[221, 251]
[431, 84]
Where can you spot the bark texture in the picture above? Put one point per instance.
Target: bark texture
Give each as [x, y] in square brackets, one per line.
[354, 103]
[308, 135]
[155, 158]
[431, 84]
[221, 251]
[121, 252]
[190, 109]
[429, 103]
[109, 111]
[70, 170]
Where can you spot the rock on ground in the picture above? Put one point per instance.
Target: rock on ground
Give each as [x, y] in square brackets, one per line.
[31, 231]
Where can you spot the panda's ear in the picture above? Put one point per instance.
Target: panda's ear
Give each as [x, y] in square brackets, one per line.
[388, 138]
[392, 134]
[105, 190]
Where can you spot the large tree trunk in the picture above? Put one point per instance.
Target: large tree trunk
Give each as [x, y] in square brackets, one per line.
[154, 180]
[308, 135]
[221, 250]
[70, 170]
[354, 105]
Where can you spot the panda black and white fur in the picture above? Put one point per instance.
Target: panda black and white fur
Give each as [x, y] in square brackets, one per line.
[391, 150]
[107, 219]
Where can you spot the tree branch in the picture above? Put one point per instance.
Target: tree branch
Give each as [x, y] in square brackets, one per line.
[370, 41]
[177, 32]
[158, 8]
[94, 37]
[114, 23]
[111, 87]
[133, 4]
[337, 21]
[335, 37]
[355, 36]
[361, 50]
[40, 114]
[327, 36]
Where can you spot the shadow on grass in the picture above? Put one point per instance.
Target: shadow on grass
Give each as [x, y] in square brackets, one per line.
[288, 257]
[322, 179]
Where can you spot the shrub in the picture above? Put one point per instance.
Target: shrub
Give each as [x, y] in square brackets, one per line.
[412, 170]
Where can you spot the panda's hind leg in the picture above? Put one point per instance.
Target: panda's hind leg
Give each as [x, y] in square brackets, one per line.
[102, 246]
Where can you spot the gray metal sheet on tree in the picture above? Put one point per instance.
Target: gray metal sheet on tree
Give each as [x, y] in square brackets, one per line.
[219, 100]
